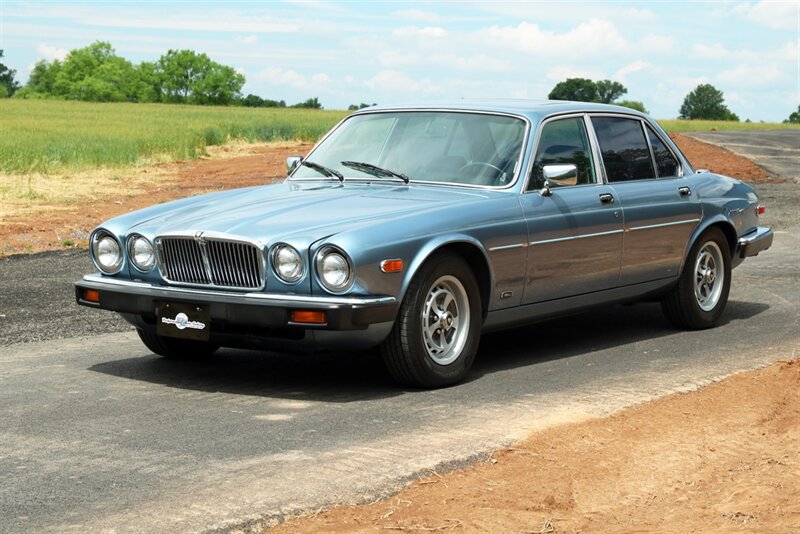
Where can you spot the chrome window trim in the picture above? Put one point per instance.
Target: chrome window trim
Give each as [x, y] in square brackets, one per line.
[643, 126]
[599, 178]
[510, 185]
[217, 236]
[678, 164]
[300, 299]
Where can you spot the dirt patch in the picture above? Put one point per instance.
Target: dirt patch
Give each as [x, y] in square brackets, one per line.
[719, 160]
[38, 224]
[722, 459]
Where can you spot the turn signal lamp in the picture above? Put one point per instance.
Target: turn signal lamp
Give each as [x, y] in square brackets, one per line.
[392, 266]
[91, 295]
[308, 317]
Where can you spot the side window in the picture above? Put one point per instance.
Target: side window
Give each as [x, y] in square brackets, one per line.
[561, 142]
[626, 154]
[665, 162]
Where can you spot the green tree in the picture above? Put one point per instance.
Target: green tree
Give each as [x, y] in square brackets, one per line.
[42, 78]
[794, 117]
[608, 91]
[706, 102]
[311, 103]
[7, 82]
[187, 76]
[354, 107]
[633, 104]
[577, 89]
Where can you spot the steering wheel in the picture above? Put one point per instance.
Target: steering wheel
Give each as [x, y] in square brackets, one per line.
[480, 164]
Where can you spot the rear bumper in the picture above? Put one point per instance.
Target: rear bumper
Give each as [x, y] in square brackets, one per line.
[756, 241]
[237, 318]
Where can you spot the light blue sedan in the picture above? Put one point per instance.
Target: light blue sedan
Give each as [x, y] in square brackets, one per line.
[417, 228]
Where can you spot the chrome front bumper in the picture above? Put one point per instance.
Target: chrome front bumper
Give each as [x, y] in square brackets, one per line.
[256, 310]
[756, 241]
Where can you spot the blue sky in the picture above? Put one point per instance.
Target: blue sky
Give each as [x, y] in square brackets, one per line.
[351, 52]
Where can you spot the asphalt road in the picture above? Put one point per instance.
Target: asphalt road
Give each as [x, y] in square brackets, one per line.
[98, 434]
[777, 151]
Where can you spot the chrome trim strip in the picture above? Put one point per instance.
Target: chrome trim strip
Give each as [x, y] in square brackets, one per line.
[661, 225]
[511, 184]
[508, 247]
[300, 299]
[572, 237]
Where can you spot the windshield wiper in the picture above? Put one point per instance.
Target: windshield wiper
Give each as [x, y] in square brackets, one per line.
[374, 170]
[323, 170]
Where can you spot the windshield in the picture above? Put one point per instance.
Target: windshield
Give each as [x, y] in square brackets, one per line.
[429, 146]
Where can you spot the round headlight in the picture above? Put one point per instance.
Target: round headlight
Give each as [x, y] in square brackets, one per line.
[107, 254]
[141, 253]
[334, 270]
[287, 263]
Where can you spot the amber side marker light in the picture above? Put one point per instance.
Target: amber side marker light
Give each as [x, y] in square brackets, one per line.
[392, 266]
[308, 317]
[90, 295]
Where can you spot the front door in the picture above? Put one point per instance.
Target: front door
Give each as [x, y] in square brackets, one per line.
[575, 231]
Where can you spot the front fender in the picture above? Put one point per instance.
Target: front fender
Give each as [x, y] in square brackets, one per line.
[437, 244]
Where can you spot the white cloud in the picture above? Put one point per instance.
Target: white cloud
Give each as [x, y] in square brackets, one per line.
[561, 73]
[715, 51]
[415, 14]
[656, 44]
[780, 15]
[630, 68]
[292, 78]
[746, 75]
[395, 82]
[413, 31]
[596, 37]
[246, 39]
[51, 52]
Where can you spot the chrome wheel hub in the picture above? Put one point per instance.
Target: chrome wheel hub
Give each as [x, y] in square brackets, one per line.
[445, 320]
[709, 276]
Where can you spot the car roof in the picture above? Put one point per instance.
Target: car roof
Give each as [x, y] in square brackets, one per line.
[533, 109]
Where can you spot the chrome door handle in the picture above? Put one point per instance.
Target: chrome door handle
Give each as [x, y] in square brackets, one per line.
[684, 191]
[606, 198]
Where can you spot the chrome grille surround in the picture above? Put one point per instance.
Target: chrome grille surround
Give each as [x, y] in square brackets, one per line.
[202, 260]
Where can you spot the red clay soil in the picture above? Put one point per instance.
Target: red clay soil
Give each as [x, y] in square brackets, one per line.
[725, 458]
[72, 223]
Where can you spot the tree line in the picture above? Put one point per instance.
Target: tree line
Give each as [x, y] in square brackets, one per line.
[96, 73]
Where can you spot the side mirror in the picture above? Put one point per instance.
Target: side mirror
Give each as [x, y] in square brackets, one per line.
[292, 162]
[563, 174]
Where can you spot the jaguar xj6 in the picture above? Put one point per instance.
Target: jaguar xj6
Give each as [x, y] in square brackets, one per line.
[415, 229]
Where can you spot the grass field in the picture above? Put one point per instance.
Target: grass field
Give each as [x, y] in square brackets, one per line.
[55, 136]
[49, 136]
[675, 125]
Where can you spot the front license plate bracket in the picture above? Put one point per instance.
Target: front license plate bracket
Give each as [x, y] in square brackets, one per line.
[182, 320]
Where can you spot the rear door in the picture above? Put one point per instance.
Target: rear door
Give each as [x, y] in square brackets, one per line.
[659, 207]
[575, 231]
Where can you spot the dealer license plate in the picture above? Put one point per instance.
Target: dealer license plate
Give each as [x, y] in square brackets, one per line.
[187, 321]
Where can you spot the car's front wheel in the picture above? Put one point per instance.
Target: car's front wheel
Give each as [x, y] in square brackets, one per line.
[699, 298]
[179, 349]
[435, 337]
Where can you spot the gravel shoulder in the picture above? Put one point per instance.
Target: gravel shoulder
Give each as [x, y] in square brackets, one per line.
[777, 151]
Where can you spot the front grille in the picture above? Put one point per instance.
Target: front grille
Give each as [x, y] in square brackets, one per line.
[212, 262]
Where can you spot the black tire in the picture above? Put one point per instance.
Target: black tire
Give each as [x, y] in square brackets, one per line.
[405, 351]
[177, 349]
[683, 306]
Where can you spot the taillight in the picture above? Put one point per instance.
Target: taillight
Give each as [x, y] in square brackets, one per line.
[760, 210]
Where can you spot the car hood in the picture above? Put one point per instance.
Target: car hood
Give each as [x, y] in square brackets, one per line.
[309, 210]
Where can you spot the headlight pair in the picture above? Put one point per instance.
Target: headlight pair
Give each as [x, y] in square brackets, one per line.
[107, 253]
[333, 268]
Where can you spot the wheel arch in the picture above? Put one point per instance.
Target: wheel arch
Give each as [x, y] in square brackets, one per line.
[470, 250]
[727, 228]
